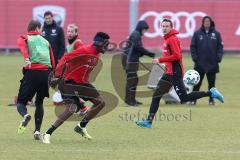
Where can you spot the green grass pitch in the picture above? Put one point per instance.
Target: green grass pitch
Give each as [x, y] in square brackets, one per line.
[206, 133]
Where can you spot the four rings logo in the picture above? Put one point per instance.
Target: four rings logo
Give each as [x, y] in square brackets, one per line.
[190, 22]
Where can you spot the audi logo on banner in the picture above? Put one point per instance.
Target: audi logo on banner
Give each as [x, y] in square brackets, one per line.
[190, 22]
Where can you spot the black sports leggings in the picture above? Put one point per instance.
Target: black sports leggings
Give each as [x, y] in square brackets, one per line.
[39, 112]
[164, 85]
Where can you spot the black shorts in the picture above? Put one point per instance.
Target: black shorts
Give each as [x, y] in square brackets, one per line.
[33, 82]
[72, 90]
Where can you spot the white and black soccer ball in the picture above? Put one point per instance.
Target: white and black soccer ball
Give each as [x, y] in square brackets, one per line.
[191, 77]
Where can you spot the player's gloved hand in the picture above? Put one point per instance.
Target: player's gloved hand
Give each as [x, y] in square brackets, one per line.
[53, 81]
[151, 54]
[219, 60]
[27, 62]
[155, 61]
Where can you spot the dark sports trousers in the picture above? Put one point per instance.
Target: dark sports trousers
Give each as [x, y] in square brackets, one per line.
[72, 91]
[211, 78]
[131, 79]
[164, 85]
[131, 87]
[33, 82]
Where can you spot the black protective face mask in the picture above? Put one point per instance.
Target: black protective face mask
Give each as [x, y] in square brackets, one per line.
[102, 46]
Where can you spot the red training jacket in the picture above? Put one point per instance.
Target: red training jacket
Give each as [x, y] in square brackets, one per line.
[172, 52]
[22, 43]
[78, 64]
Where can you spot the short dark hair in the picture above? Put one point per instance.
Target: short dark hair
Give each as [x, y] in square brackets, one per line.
[47, 13]
[168, 20]
[101, 36]
[33, 24]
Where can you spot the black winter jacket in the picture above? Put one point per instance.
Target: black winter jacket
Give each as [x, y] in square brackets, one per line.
[137, 50]
[55, 36]
[207, 49]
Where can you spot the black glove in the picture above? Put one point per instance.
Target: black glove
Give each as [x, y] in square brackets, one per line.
[219, 60]
[53, 81]
[151, 54]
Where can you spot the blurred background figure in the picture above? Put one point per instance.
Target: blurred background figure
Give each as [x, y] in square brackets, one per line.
[54, 34]
[73, 43]
[130, 61]
[206, 51]
[73, 38]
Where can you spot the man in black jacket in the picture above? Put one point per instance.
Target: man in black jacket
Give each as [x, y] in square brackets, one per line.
[54, 34]
[130, 61]
[207, 51]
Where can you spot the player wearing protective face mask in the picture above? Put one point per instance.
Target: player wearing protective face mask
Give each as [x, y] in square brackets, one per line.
[74, 70]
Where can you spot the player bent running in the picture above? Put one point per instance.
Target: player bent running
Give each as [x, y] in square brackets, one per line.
[75, 68]
[39, 61]
[172, 58]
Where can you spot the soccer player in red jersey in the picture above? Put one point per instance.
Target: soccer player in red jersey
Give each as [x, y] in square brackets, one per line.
[74, 70]
[172, 58]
